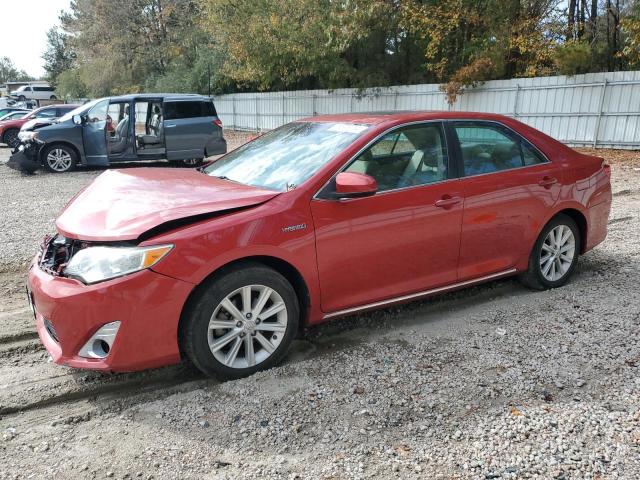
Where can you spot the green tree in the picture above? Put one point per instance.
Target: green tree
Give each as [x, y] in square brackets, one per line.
[59, 56]
[9, 72]
[120, 44]
[71, 85]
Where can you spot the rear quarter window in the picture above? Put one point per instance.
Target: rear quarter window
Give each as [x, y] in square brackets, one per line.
[195, 109]
[209, 110]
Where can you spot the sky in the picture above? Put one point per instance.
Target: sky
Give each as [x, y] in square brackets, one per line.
[24, 39]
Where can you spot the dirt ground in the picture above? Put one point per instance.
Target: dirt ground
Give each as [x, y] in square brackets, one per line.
[495, 381]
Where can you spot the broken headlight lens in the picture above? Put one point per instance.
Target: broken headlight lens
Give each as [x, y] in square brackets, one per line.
[96, 264]
[27, 136]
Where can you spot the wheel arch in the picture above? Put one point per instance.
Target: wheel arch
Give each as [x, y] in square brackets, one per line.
[55, 143]
[286, 269]
[581, 221]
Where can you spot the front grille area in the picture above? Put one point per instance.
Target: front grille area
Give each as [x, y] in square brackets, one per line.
[51, 330]
[56, 253]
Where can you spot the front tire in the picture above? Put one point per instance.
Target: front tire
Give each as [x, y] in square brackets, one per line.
[241, 322]
[59, 158]
[554, 255]
[10, 137]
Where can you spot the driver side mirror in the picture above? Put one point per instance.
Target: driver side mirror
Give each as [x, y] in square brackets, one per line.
[79, 119]
[355, 185]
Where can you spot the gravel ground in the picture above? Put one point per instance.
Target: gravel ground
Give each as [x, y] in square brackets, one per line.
[495, 381]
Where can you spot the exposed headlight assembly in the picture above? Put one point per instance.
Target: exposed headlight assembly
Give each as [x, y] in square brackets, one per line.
[28, 136]
[97, 264]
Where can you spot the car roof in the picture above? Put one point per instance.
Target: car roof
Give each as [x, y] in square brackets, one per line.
[374, 118]
[70, 106]
[165, 96]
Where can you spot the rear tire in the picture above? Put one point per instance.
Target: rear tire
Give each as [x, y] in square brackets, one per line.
[53, 97]
[240, 322]
[193, 162]
[554, 255]
[10, 137]
[59, 158]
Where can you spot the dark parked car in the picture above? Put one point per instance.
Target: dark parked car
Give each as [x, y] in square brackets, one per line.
[177, 127]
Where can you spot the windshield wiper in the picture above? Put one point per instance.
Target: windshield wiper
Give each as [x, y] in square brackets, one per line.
[224, 177]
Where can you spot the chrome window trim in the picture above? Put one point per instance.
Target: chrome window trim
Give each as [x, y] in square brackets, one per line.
[443, 122]
[370, 144]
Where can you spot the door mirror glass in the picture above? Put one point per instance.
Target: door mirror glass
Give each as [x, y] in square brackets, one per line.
[77, 119]
[355, 185]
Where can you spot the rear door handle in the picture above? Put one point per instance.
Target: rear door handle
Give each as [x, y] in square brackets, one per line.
[547, 181]
[170, 126]
[447, 201]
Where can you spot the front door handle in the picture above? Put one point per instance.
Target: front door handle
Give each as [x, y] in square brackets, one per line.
[547, 181]
[169, 126]
[447, 201]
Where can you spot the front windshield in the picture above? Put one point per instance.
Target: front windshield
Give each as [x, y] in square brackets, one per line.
[287, 156]
[78, 111]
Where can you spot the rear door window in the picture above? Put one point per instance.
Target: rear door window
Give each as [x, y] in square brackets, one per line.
[489, 147]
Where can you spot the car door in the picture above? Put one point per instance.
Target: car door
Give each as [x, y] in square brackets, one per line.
[94, 135]
[509, 187]
[186, 130]
[404, 239]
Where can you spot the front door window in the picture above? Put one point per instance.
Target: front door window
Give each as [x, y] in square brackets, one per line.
[406, 157]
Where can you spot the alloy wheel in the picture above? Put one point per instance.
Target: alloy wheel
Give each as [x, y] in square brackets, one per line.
[557, 252]
[59, 160]
[247, 326]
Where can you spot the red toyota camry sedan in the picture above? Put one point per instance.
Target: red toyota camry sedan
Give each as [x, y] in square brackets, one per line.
[318, 219]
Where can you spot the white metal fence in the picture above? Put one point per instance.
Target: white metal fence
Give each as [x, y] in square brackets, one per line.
[597, 109]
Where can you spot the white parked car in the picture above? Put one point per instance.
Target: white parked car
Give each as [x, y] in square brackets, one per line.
[33, 92]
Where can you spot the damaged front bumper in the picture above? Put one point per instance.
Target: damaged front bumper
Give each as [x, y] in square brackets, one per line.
[128, 323]
[24, 158]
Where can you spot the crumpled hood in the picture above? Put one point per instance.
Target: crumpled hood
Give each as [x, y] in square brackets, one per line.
[124, 204]
[37, 123]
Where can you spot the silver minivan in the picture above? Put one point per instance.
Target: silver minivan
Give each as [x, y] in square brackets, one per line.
[181, 128]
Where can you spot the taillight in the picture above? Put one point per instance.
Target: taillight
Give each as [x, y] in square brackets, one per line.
[607, 170]
[217, 122]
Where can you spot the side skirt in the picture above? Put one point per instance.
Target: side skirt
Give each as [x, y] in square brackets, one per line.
[425, 293]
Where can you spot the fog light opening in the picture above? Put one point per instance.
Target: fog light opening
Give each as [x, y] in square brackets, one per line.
[101, 343]
[101, 348]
